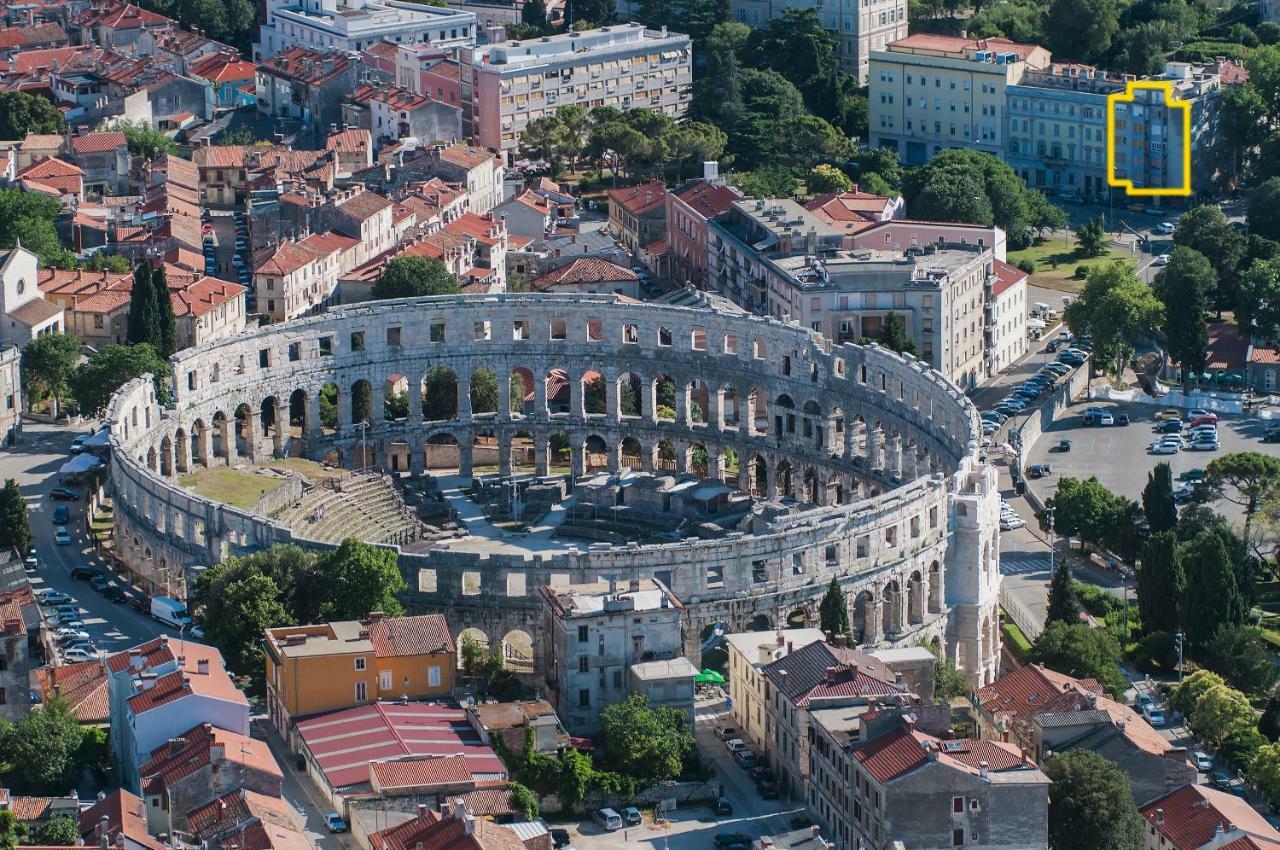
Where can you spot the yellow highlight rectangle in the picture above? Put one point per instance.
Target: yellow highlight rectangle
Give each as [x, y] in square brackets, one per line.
[1128, 97]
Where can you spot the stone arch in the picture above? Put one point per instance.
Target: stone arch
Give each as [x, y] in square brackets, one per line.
[861, 611]
[632, 453]
[333, 457]
[517, 651]
[198, 442]
[784, 479]
[696, 392]
[665, 402]
[440, 395]
[243, 432]
[218, 444]
[182, 449]
[630, 393]
[395, 399]
[594, 394]
[758, 475]
[269, 415]
[797, 619]
[153, 462]
[700, 461]
[891, 621]
[329, 408]
[362, 401]
[558, 394]
[166, 456]
[595, 453]
[756, 411]
[483, 388]
[759, 623]
[522, 392]
[812, 486]
[935, 588]
[812, 427]
[666, 455]
[467, 635]
[298, 413]
[730, 406]
[915, 598]
[559, 455]
[484, 451]
[523, 454]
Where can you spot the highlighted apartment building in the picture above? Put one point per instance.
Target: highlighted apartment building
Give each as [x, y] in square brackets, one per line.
[1149, 140]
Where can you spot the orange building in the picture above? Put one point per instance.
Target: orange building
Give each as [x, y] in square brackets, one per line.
[313, 669]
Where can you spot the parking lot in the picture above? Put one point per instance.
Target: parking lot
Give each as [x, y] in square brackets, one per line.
[1118, 456]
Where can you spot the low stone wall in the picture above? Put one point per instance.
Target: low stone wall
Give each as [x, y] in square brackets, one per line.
[289, 492]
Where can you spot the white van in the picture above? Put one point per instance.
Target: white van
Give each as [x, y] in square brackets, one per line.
[1044, 310]
[608, 819]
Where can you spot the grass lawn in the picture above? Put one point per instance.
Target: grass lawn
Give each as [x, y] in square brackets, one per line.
[223, 484]
[309, 468]
[1052, 252]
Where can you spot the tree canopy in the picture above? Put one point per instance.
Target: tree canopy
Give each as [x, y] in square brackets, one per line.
[1081, 651]
[1063, 605]
[111, 368]
[48, 364]
[1158, 507]
[22, 113]
[15, 520]
[833, 610]
[47, 751]
[645, 742]
[1090, 804]
[1185, 286]
[408, 276]
[1114, 308]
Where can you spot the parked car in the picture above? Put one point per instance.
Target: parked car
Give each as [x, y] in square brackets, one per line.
[1205, 445]
[77, 654]
[99, 582]
[724, 839]
[61, 515]
[1169, 413]
[1158, 448]
[1106, 419]
[723, 807]
[1161, 260]
[61, 536]
[608, 819]
[631, 815]
[335, 823]
[1039, 470]
[1221, 780]
[141, 603]
[64, 634]
[1009, 523]
[1272, 435]
[70, 622]
[767, 790]
[1204, 764]
[1122, 419]
[745, 759]
[63, 494]
[53, 597]
[559, 838]
[1153, 715]
[1169, 426]
[81, 571]
[735, 745]
[31, 562]
[1089, 420]
[115, 593]
[1166, 228]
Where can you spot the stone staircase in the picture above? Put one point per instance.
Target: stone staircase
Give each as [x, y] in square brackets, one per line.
[365, 506]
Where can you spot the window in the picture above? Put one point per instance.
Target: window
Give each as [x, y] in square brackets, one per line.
[359, 663]
[957, 805]
[393, 337]
[264, 357]
[362, 692]
[295, 352]
[357, 341]
[433, 677]
[957, 837]
[385, 680]
[582, 634]
[584, 699]
[584, 664]
[326, 344]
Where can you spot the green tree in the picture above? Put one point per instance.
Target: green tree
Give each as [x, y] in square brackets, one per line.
[1264, 209]
[647, 743]
[1091, 238]
[541, 139]
[102, 262]
[1269, 722]
[22, 113]
[235, 618]
[166, 323]
[1185, 285]
[520, 798]
[1247, 479]
[1241, 126]
[1264, 771]
[111, 368]
[1081, 508]
[410, 276]
[833, 611]
[1263, 66]
[1244, 658]
[359, 578]
[291, 569]
[1063, 605]
[1081, 651]
[1184, 696]
[534, 13]
[144, 316]
[1258, 299]
[893, 335]
[1219, 713]
[12, 832]
[44, 753]
[48, 363]
[439, 395]
[1206, 229]
[768, 182]
[144, 140]
[1161, 582]
[57, 831]
[1090, 804]
[15, 520]
[1212, 598]
[1114, 308]
[825, 179]
[591, 12]
[40, 237]
[1158, 506]
[1081, 29]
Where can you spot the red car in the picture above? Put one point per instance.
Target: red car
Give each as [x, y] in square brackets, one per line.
[1206, 419]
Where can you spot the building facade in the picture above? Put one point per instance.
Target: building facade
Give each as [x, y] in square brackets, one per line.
[505, 86]
[353, 25]
[859, 28]
[10, 394]
[595, 633]
[314, 669]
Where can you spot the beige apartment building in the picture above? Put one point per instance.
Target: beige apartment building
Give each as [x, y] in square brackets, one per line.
[507, 85]
[933, 92]
[859, 27]
[749, 653]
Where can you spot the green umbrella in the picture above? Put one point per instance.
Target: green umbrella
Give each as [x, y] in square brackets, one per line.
[709, 677]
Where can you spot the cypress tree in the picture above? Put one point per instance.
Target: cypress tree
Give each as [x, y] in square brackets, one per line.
[143, 324]
[833, 611]
[1161, 583]
[1063, 607]
[1212, 599]
[1157, 499]
[15, 522]
[167, 342]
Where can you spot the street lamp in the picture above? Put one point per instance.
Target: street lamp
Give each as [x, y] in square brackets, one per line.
[1177, 643]
[1049, 511]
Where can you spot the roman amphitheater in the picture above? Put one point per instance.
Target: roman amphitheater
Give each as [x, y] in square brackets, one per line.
[501, 443]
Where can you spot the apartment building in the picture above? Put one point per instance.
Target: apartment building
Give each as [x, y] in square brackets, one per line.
[933, 92]
[349, 26]
[885, 784]
[396, 113]
[811, 275]
[297, 278]
[688, 208]
[749, 653]
[1004, 318]
[1197, 817]
[594, 634]
[859, 28]
[313, 669]
[10, 394]
[20, 627]
[507, 85]
[1057, 124]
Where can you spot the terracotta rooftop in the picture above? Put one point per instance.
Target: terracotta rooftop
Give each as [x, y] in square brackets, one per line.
[309, 66]
[349, 141]
[223, 68]
[364, 205]
[35, 312]
[417, 772]
[434, 832]
[425, 634]
[585, 270]
[641, 198]
[903, 750]
[83, 686]
[99, 142]
[1006, 276]
[967, 46]
[125, 813]
[233, 810]
[822, 670]
[706, 198]
[1190, 816]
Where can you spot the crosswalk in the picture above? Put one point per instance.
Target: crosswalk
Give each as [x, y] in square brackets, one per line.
[1024, 564]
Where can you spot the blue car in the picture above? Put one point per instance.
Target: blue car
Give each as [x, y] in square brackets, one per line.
[335, 823]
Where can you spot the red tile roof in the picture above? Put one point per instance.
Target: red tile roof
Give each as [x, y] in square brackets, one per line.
[955, 44]
[1263, 355]
[83, 686]
[364, 206]
[308, 66]
[902, 750]
[425, 634]
[706, 198]
[349, 140]
[175, 761]
[99, 142]
[640, 199]
[585, 270]
[223, 68]
[234, 809]
[125, 813]
[420, 772]
[821, 671]
[1007, 276]
[1227, 348]
[1193, 813]
[433, 832]
[38, 34]
[891, 755]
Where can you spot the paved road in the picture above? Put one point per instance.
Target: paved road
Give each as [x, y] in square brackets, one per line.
[34, 464]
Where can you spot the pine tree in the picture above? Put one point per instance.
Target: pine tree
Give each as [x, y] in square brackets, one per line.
[833, 611]
[1212, 599]
[1157, 500]
[15, 522]
[167, 341]
[1161, 583]
[143, 321]
[1063, 607]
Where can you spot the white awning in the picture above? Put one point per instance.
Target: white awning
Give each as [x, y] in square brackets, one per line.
[1036, 324]
[78, 464]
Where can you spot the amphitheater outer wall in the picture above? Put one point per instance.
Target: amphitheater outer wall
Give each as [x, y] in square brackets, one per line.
[886, 448]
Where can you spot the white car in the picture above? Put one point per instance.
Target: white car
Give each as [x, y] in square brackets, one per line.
[735, 745]
[1204, 446]
[1008, 523]
[66, 635]
[1161, 260]
[61, 536]
[1159, 448]
[1166, 227]
[1154, 715]
[1106, 419]
[49, 596]
[76, 654]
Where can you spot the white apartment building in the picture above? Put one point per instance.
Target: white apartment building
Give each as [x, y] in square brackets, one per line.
[933, 92]
[1005, 318]
[595, 634]
[860, 26]
[10, 394]
[347, 26]
[505, 86]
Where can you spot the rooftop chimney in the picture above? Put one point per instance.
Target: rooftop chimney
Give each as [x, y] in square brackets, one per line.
[781, 640]
[984, 770]
[202, 667]
[375, 616]
[104, 832]
[422, 810]
[1159, 816]
[840, 640]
